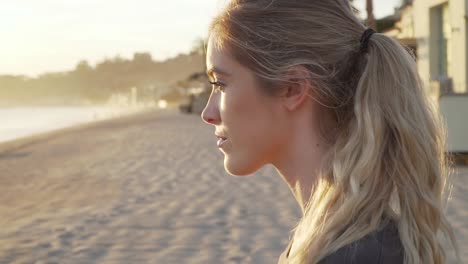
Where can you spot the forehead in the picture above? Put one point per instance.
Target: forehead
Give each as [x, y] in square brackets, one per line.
[218, 59]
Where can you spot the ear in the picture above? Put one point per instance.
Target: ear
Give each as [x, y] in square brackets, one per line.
[298, 88]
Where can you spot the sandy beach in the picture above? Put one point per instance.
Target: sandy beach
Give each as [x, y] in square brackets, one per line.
[148, 188]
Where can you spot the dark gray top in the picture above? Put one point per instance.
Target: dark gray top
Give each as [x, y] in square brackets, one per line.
[380, 247]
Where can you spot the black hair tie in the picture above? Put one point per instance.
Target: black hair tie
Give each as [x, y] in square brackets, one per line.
[365, 39]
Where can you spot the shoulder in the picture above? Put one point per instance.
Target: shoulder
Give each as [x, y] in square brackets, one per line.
[380, 247]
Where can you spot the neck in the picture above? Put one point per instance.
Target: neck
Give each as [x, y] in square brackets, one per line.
[301, 180]
[300, 164]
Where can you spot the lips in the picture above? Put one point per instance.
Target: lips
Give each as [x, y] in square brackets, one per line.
[221, 140]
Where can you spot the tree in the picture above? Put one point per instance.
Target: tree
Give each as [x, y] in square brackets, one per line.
[83, 65]
[143, 58]
[370, 14]
[199, 46]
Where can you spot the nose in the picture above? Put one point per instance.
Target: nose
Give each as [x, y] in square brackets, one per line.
[210, 113]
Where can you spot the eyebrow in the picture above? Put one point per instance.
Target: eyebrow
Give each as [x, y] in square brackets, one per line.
[218, 71]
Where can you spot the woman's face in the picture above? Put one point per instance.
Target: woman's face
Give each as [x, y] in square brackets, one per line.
[241, 113]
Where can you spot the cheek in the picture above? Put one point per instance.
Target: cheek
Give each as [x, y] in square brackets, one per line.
[236, 109]
[250, 124]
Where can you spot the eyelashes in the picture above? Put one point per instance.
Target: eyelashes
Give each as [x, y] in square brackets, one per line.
[217, 85]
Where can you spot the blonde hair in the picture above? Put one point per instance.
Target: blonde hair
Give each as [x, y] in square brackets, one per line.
[387, 158]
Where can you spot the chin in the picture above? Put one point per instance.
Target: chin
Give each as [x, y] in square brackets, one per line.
[239, 169]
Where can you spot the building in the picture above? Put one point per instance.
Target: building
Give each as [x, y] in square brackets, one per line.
[437, 31]
[403, 28]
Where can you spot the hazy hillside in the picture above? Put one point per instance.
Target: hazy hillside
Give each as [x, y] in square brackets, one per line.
[96, 84]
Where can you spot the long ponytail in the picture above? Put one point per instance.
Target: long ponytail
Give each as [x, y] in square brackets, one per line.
[388, 163]
[402, 139]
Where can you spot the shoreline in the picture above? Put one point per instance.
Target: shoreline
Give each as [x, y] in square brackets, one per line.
[23, 141]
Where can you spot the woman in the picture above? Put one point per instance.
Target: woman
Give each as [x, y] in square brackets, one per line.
[341, 114]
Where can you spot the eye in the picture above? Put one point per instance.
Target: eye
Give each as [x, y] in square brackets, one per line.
[217, 85]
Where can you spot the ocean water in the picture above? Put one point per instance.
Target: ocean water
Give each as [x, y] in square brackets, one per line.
[17, 122]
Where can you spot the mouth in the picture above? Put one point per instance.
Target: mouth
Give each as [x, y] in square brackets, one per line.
[221, 141]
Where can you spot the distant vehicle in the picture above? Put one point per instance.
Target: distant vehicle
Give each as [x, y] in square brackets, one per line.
[195, 103]
[188, 106]
[454, 109]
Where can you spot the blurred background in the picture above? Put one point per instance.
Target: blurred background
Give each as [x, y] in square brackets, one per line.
[103, 155]
[95, 59]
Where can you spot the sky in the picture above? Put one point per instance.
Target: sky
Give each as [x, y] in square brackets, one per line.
[54, 35]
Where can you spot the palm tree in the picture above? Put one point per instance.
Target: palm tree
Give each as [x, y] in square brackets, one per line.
[370, 14]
